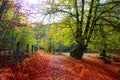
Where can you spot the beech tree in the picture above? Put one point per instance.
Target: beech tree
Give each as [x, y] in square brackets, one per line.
[86, 14]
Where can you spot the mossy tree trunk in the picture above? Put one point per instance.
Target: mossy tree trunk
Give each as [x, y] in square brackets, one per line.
[78, 52]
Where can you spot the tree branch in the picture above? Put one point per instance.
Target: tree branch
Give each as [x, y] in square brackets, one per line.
[106, 4]
[111, 23]
[88, 18]
[59, 10]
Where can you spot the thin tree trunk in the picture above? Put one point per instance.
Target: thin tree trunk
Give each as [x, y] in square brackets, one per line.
[103, 53]
[2, 7]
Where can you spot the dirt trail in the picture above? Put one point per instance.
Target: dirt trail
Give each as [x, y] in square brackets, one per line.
[42, 66]
[85, 70]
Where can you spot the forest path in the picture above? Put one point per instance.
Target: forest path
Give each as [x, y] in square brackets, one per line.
[63, 67]
[44, 66]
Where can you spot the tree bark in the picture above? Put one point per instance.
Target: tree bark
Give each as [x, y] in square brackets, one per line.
[17, 51]
[27, 48]
[78, 52]
[2, 7]
[103, 53]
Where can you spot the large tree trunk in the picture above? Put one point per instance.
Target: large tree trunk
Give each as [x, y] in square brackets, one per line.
[82, 37]
[78, 52]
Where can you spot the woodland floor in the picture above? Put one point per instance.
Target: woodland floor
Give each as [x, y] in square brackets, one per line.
[41, 66]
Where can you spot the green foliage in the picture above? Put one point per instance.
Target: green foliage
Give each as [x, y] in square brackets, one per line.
[84, 23]
[86, 16]
[53, 37]
[60, 33]
[23, 35]
[10, 33]
[105, 37]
